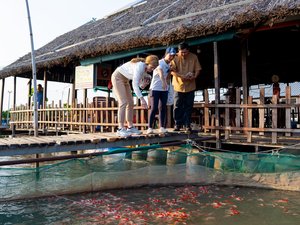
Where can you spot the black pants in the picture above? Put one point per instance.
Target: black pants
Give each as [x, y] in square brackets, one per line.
[156, 98]
[183, 106]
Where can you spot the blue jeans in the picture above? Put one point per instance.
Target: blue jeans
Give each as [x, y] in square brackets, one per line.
[157, 97]
[183, 106]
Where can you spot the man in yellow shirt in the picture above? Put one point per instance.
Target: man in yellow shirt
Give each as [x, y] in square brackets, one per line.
[185, 70]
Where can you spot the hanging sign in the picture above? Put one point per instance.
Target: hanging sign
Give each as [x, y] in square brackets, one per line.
[84, 77]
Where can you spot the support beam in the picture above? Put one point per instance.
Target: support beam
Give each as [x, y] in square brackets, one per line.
[245, 79]
[261, 111]
[288, 93]
[45, 88]
[29, 93]
[1, 99]
[217, 92]
[13, 126]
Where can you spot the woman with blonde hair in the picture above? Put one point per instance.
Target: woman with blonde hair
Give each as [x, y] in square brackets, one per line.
[136, 70]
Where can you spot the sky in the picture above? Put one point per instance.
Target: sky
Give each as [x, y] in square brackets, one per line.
[49, 19]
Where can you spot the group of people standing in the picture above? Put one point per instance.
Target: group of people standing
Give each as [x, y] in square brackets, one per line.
[182, 68]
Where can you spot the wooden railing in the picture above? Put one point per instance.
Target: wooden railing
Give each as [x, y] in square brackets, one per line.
[101, 116]
[276, 118]
[255, 117]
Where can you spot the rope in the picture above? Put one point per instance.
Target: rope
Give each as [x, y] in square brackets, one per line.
[194, 144]
[274, 151]
[279, 149]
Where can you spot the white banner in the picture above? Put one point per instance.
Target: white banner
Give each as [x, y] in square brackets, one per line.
[84, 77]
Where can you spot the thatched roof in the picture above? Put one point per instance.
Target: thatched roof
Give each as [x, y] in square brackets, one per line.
[154, 23]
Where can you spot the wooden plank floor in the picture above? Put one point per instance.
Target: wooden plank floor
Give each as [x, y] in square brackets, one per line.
[27, 145]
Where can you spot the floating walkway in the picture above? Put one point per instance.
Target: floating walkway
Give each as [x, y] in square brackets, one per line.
[28, 145]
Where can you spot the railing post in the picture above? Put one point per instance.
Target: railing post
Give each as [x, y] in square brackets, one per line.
[261, 111]
[115, 115]
[249, 109]
[238, 109]
[206, 110]
[60, 112]
[112, 116]
[288, 110]
[101, 116]
[55, 120]
[274, 119]
[227, 118]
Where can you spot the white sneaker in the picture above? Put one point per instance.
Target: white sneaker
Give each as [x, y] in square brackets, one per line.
[150, 131]
[133, 130]
[123, 133]
[163, 130]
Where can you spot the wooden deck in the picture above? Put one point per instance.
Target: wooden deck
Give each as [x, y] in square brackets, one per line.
[28, 145]
[40, 149]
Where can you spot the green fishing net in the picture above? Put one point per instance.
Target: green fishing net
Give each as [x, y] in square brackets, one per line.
[151, 165]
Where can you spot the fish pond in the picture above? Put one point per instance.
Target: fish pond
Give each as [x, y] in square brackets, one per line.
[191, 204]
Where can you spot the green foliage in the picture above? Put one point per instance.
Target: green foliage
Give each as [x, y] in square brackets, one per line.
[31, 92]
[4, 114]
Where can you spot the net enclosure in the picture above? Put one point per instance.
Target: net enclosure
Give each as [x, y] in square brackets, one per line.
[151, 165]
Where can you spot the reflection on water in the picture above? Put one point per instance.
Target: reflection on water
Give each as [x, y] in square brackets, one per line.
[190, 204]
[208, 205]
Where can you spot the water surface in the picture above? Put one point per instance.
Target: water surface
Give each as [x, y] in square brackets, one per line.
[208, 205]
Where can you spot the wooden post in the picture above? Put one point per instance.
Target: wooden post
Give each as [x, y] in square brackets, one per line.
[137, 111]
[53, 113]
[288, 110]
[43, 113]
[102, 116]
[68, 99]
[249, 134]
[169, 116]
[64, 116]
[297, 111]
[29, 93]
[92, 116]
[27, 115]
[2, 97]
[45, 89]
[217, 92]
[143, 117]
[114, 112]
[107, 112]
[55, 119]
[60, 115]
[238, 109]
[206, 110]
[244, 80]
[84, 119]
[113, 119]
[274, 119]
[227, 118]
[261, 111]
[13, 126]
[80, 120]
[74, 92]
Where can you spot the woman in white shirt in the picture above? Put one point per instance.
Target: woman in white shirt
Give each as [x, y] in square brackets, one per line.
[159, 91]
[135, 70]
